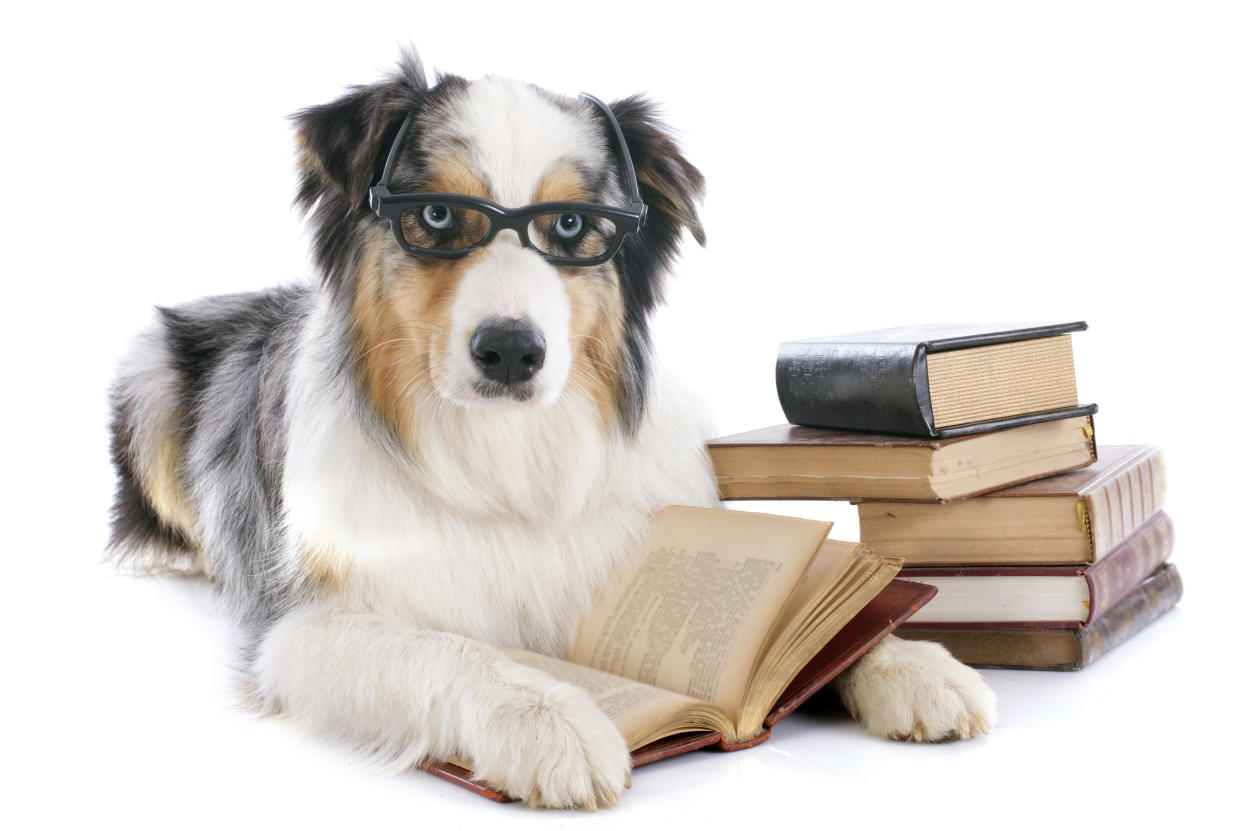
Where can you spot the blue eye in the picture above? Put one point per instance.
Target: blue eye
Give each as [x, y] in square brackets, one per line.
[569, 226]
[438, 217]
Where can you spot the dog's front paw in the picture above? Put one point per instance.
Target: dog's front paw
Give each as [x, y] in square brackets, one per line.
[916, 690]
[549, 744]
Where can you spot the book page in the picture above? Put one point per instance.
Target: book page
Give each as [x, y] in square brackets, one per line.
[638, 710]
[830, 562]
[693, 615]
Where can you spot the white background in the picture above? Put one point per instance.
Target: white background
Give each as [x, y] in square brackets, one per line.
[868, 165]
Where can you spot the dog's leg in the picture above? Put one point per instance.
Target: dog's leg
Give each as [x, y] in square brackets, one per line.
[916, 690]
[414, 695]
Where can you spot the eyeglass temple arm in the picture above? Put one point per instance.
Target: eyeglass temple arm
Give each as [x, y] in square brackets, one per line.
[381, 187]
[631, 178]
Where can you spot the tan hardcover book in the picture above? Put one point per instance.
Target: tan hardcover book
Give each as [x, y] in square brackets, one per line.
[1076, 517]
[1060, 649]
[792, 462]
[715, 625]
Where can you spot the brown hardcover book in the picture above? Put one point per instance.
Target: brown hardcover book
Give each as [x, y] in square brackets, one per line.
[893, 605]
[1046, 597]
[792, 462]
[1076, 517]
[1060, 649]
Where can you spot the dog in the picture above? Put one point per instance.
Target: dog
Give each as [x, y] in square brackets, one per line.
[453, 440]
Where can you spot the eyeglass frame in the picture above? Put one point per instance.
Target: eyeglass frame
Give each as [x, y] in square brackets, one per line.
[628, 220]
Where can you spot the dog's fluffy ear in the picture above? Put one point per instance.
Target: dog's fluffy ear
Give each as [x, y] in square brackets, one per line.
[344, 144]
[671, 186]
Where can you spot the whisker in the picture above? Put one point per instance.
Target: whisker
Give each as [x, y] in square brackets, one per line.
[418, 376]
[386, 343]
[589, 384]
[588, 337]
[611, 370]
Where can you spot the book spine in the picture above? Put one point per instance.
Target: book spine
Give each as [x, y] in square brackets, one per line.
[1124, 569]
[872, 387]
[1156, 595]
[1117, 507]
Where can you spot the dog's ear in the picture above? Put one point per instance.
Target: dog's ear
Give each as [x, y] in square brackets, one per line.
[671, 186]
[344, 144]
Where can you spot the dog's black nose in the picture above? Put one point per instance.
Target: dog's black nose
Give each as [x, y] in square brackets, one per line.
[507, 350]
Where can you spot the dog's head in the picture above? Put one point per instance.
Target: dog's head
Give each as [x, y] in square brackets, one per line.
[500, 326]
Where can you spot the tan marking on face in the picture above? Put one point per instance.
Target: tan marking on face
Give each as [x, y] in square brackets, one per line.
[596, 327]
[562, 183]
[451, 173]
[402, 321]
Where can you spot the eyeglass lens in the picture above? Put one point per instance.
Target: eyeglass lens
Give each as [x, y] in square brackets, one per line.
[571, 235]
[443, 227]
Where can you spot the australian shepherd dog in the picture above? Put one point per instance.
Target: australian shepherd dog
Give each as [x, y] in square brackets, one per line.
[419, 460]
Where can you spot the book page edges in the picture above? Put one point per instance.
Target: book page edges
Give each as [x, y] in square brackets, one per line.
[834, 613]
[976, 532]
[980, 384]
[1001, 460]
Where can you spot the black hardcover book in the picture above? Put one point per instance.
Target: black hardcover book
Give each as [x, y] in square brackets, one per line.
[935, 381]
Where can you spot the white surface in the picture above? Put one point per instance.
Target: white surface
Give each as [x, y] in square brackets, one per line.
[868, 165]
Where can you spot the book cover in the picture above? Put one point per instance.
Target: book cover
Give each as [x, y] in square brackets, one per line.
[1042, 597]
[934, 381]
[1060, 649]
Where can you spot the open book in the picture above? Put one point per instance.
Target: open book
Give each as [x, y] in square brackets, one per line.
[710, 633]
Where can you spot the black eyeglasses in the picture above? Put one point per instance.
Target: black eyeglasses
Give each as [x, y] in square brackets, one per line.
[448, 225]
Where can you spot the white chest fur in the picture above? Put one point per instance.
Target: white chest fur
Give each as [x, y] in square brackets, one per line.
[505, 526]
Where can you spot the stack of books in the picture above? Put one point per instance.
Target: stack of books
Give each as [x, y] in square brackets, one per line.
[969, 457]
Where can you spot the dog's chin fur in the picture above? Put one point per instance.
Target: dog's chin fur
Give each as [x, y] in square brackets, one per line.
[382, 518]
